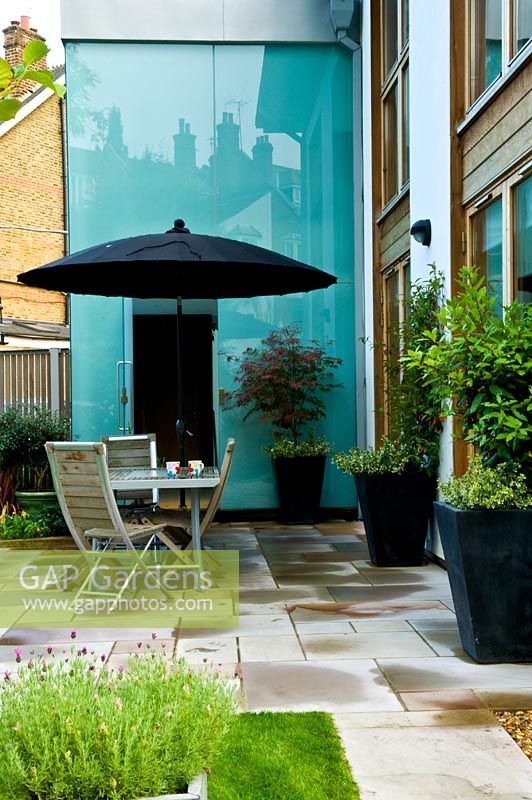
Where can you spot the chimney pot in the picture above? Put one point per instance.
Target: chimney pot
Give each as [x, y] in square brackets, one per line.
[25, 22]
[181, 125]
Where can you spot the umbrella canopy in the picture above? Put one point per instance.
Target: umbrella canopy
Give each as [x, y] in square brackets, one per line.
[180, 265]
[174, 264]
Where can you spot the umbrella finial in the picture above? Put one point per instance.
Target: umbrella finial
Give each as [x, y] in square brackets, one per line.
[179, 227]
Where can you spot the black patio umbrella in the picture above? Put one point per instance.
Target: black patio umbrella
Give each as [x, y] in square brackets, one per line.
[181, 265]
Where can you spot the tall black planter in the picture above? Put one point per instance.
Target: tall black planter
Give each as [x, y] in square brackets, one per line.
[488, 555]
[396, 510]
[299, 485]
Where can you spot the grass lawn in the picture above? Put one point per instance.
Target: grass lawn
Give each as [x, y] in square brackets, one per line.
[282, 757]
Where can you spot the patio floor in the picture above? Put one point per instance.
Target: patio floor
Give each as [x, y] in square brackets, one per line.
[322, 629]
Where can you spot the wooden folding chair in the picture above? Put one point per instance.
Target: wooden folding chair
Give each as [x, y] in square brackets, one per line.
[81, 480]
[139, 450]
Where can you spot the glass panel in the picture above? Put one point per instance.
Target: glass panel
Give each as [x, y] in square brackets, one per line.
[393, 311]
[130, 172]
[486, 229]
[406, 125]
[523, 240]
[406, 21]
[391, 177]
[522, 24]
[486, 44]
[284, 161]
[256, 144]
[389, 39]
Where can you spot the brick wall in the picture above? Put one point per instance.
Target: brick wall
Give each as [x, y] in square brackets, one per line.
[31, 194]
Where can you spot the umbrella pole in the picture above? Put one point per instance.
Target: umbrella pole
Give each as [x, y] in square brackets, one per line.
[180, 424]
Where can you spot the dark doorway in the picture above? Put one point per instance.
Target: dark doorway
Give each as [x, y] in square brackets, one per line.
[155, 383]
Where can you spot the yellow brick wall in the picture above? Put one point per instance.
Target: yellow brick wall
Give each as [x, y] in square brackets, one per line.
[31, 194]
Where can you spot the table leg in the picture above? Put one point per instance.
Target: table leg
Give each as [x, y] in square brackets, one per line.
[195, 519]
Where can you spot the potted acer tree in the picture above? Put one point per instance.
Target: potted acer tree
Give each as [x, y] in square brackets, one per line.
[284, 381]
[480, 363]
[396, 481]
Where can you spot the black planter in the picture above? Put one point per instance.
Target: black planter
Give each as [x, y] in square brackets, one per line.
[396, 510]
[488, 555]
[299, 485]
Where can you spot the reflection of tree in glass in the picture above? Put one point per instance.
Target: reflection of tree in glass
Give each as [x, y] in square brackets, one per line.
[83, 78]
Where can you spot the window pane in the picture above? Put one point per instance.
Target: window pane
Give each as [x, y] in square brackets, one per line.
[406, 21]
[486, 232]
[523, 240]
[486, 44]
[522, 24]
[391, 186]
[406, 125]
[392, 336]
[389, 23]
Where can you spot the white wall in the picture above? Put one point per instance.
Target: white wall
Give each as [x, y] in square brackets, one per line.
[430, 154]
[368, 219]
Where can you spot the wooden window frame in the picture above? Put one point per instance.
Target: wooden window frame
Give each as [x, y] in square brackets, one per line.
[395, 77]
[505, 190]
[507, 54]
[399, 267]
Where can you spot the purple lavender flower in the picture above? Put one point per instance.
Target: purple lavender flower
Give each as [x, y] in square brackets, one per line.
[18, 655]
[73, 634]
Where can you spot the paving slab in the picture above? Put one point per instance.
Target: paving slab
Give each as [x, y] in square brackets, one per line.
[335, 558]
[508, 700]
[445, 643]
[425, 674]
[402, 592]
[270, 648]
[380, 625]
[364, 645]
[208, 650]
[355, 685]
[313, 612]
[446, 761]
[441, 701]
[323, 627]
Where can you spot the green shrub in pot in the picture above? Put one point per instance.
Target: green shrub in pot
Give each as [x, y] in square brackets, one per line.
[480, 363]
[396, 481]
[23, 460]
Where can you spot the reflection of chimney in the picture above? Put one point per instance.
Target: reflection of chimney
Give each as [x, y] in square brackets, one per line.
[185, 153]
[16, 37]
[262, 160]
[228, 133]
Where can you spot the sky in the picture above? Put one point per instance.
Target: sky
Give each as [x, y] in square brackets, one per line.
[44, 15]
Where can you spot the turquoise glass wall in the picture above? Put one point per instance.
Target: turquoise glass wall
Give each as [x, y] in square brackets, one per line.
[249, 142]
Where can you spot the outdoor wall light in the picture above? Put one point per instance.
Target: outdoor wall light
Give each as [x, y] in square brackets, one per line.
[421, 231]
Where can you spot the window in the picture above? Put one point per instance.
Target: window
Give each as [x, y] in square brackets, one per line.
[396, 288]
[486, 246]
[522, 240]
[522, 25]
[498, 31]
[500, 238]
[486, 45]
[394, 97]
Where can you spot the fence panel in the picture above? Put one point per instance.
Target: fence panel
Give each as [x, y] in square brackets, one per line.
[35, 378]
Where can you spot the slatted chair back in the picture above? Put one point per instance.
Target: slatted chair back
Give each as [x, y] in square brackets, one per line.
[214, 503]
[139, 450]
[81, 481]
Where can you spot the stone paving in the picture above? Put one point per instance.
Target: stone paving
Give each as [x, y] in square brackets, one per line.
[323, 629]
